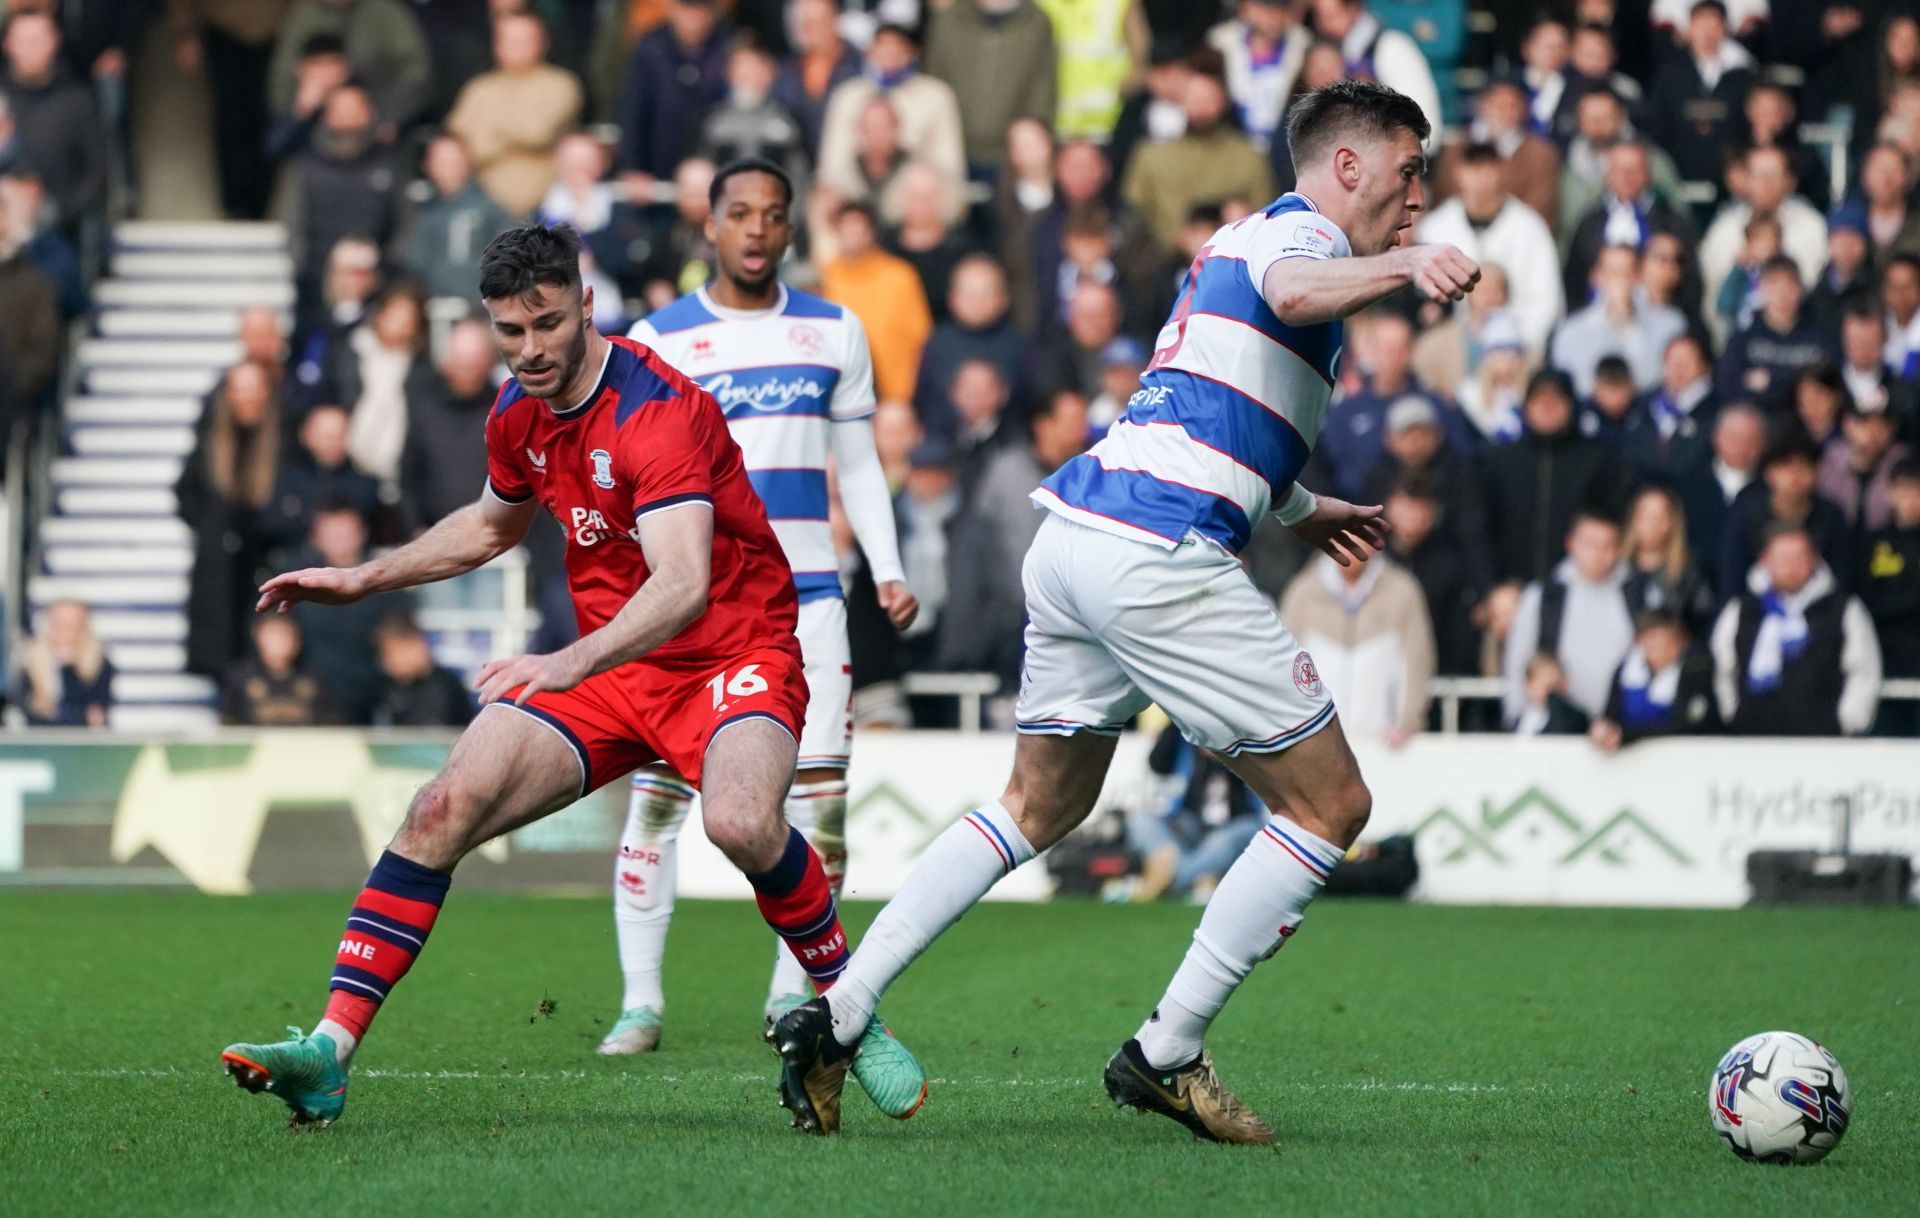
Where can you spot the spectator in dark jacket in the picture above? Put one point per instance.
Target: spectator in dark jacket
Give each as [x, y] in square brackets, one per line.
[414, 691]
[66, 679]
[820, 59]
[1354, 434]
[23, 197]
[449, 230]
[446, 426]
[273, 687]
[1889, 585]
[1664, 686]
[29, 328]
[1795, 653]
[1534, 485]
[1416, 448]
[1762, 360]
[224, 489]
[1423, 544]
[59, 126]
[977, 327]
[1785, 495]
[315, 474]
[1661, 572]
[1857, 473]
[346, 184]
[750, 122]
[336, 635]
[1628, 213]
[677, 74]
[1699, 97]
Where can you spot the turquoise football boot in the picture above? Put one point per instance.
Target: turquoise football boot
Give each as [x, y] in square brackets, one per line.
[302, 1070]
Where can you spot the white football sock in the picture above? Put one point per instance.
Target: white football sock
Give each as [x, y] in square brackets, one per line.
[950, 877]
[819, 811]
[1258, 904]
[344, 1042]
[644, 876]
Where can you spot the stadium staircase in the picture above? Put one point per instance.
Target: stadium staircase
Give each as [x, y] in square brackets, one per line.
[161, 335]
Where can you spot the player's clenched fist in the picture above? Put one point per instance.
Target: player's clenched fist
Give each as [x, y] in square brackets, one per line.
[1441, 272]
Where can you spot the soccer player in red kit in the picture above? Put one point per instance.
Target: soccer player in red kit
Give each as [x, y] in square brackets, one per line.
[687, 652]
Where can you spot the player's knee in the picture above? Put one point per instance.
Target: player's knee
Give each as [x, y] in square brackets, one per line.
[440, 817]
[750, 837]
[1351, 807]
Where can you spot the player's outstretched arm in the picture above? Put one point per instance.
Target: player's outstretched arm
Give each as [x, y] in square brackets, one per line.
[678, 543]
[1345, 532]
[471, 537]
[869, 507]
[1308, 291]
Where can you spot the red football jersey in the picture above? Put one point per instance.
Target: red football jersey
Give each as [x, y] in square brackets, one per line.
[645, 440]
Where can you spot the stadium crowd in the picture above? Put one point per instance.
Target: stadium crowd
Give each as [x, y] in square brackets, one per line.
[1658, 473]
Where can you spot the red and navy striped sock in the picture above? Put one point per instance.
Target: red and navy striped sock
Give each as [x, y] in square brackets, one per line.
[796, 900]
[386, 930]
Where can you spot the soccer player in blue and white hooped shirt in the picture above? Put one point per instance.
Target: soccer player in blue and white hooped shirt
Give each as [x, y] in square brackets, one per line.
[795, 378]
[1134, 595]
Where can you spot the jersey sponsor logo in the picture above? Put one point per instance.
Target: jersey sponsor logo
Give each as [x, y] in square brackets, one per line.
[537, 460]
[602, 468]
[806, 339]
[1306, 678]
[766, 394]
[588, 527]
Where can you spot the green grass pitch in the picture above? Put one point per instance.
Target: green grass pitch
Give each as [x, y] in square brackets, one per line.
[1414, 1060]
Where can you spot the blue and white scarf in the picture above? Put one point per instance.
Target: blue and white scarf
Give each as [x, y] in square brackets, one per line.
[1646, 696]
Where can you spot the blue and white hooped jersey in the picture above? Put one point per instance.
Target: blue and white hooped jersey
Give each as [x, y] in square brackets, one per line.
[1230, 406]
[784, 376]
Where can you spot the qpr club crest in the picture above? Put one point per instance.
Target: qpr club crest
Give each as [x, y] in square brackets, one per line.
[1306, 678]
[806, 339]
[603, 478]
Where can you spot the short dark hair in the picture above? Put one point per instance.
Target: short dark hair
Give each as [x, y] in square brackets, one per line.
[521, 259]
[1416, 486]
[1347, 108]
[1552, 379]
[1792, 444]
[1710, 6]
[395, 626]
[751, 164]
[1861, 305]
[323, 44]
[1594, 513]
[1906, 469]
[1612, 368]
[1479, 152]
[1658, 619]
[1776, 529]
[1910, 261]
[1780, 264]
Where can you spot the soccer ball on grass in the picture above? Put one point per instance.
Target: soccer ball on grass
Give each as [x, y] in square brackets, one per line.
[1779, 1098]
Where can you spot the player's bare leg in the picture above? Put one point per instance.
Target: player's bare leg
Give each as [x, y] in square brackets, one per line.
[505, 771]
[1320, 804]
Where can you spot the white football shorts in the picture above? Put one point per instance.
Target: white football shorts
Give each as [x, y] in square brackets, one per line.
[1115, 624]
[826, 739]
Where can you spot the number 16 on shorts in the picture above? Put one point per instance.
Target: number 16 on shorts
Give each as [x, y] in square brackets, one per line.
[743, 682]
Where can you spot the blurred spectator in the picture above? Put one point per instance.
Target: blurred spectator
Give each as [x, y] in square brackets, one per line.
[924, 105]
[316, 473]
[1537, 485]
[1101, 48]
[989, 539]
[1023, 196]
[1627, 212]
[446, 425]
[1490, 399]
[884, 293]
[352, 274]
[1849, 272]
[1354, 434]
[451, 229]
[1209, 162]
[1546, 709]
[1423, 542]
[1770, 120]
[1785, 495]
[1579, 613]
[1263, 50]
[369, 374]
[1415, 449]
[1544, 55]
[1620, 321]
[383, 42]
[820, 61]
[1818, 399]
[1863, 370]
[1528, 165]
[1374, 52]
[1767, 191]
[750, 122]
[1078, 359]
[1367, 627]
[1664, 686]
[511, 118]
[1739, 441]
[1900, 297]
[1739, 298]
[977, 327]
[677, 73]
[1889, 586]
[1857, 473]
[55, 116]
[11, 153]
[895, 433]
[1668, 279]
[982, 429]
[1661, 572]
[66, 679]
[345, 184]
[337, 636]
[321, 68]
[998, 56]
[1591, 62]
[1795, 653]
[233, 44]
[28, 216]
[1041, 283]
[925, 238]
[1763, 359]
[924, 508]
[1602, 124]
[1604, 415]
[1121, 366]
[1698, 99]
[681, 259]
[272, 687]
[1886, 187]
[222, 491]
[29, 325]
[1188, 845]
[876, 166]
[1156, 111]
[1667, 437]
[414, 691]
[1488, 224]
[581, 196]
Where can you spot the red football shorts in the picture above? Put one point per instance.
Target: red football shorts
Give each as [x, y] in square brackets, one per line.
[634, 715]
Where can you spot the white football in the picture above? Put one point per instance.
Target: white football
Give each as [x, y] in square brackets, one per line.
[1779, 1098]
